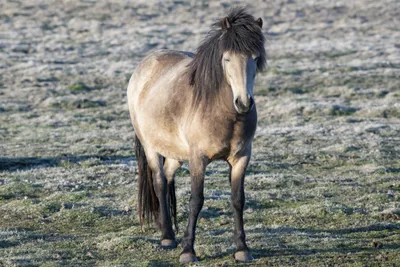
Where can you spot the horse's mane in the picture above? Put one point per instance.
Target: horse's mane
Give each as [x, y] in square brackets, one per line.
[244, 35]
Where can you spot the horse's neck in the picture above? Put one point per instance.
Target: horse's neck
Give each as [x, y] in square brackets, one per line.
[220, 107]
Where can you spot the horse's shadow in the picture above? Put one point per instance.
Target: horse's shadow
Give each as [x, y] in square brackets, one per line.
[212, 212]
[271, 233]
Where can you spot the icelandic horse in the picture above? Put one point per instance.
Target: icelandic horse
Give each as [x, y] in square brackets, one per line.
[197, 108]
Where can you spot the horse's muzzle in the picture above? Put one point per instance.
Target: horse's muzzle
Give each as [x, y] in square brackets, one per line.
[243, 108]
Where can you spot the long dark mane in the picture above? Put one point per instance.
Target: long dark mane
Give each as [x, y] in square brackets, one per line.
[244, 35]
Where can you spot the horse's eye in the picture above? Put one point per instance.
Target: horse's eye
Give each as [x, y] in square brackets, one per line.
[227, 59]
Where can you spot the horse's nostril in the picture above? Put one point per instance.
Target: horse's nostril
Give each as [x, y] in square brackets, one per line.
[244, 107]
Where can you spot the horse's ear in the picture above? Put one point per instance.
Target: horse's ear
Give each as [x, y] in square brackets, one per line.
[225, 24]
[259, 22]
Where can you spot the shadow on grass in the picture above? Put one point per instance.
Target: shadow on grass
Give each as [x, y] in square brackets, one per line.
[8, 244]
[26, 235]
[213, 212]
[104, 211]
[160, 264]
[16, 164]
[64, 250]
[274, 233]
[261, 253]
[289, 230]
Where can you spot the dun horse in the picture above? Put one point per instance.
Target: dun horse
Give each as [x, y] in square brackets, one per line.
[196, 107]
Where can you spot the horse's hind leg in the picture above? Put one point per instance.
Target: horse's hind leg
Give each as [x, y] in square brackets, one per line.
[197, 167]
[238, 168]
[170, 167]
[155, 162]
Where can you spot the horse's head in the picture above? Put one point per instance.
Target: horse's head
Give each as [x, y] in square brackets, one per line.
[240, 72]
[232, 54]
[244, 54]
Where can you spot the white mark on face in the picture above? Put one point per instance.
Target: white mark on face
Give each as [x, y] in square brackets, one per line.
[240, 71]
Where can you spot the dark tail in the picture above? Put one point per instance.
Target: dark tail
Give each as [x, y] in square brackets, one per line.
[147, 199]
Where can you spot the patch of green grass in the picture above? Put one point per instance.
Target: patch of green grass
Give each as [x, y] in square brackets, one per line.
[391, 112]
[68, 196]
[66, 164]
[295, 90]
[76, 220]
[19, 190]
[79, 87]
[182, 172]
[335, 54]
[78, 104]
[337, 110]
[52, 207]
[90, 162]
[266, 91]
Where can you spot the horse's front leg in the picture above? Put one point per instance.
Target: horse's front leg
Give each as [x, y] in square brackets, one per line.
[197, 167]
[238, 165]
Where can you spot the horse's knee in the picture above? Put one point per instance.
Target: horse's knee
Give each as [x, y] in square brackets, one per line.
[196, 203]
[237, 203]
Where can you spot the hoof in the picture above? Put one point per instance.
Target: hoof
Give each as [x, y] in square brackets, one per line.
[243, 256]
[168, 244]
[187, 257]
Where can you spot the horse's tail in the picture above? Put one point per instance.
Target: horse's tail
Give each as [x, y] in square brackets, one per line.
[148, 204]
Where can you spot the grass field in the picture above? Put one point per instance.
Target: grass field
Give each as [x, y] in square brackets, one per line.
[323, 185]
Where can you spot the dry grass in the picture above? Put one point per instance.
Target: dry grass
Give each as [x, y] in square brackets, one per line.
[323, 184]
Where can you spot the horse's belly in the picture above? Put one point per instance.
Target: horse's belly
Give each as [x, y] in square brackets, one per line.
[171, 149]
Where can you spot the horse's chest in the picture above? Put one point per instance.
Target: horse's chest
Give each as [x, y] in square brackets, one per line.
[229, 140]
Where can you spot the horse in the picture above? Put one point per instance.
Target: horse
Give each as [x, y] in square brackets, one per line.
[197, 108]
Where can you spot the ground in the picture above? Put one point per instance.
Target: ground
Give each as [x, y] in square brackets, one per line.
[323, 185]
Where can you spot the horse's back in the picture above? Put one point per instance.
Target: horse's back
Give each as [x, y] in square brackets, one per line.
[155, 67]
